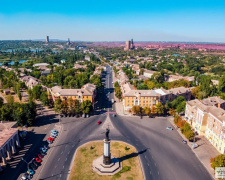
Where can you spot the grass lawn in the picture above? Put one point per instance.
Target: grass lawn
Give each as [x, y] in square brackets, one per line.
[82, 165]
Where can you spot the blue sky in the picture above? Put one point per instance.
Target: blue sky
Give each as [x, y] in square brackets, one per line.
[91, 20]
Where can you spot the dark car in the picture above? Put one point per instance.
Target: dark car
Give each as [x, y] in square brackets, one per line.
[32, 166]
[34, 163]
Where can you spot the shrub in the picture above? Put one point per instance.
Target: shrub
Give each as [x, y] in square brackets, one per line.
[218, 161]
[186, 127]
[189, 135]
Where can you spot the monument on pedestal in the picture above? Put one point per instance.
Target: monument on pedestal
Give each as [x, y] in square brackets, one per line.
[105, 165]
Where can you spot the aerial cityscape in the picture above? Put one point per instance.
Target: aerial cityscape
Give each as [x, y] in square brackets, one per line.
[112, 90]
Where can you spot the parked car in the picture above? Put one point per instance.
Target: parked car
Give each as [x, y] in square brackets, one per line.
[50, 140]
[99, 122]
[43, 149]
[34, 162]
[114, 115]
[32, 166]
[169, 128]
[30, 171]
[26, 176]
[38, 160]
[39, 155]
[183, 141]
[194, 145]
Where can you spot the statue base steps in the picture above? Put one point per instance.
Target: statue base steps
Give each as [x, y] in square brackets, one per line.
[110, 169]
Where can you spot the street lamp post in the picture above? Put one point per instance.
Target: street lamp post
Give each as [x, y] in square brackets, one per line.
[25, 162]
[194, 137]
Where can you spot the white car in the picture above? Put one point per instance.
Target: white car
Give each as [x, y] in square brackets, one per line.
[169, 128]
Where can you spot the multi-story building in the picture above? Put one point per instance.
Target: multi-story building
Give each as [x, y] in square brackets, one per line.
[87, 92]
[215, 129]
[148, 73]
[207, 117]
[47, 39]
[149, 98]
[129, 45]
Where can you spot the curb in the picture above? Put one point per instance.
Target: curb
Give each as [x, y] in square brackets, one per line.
[142, 170]
[171, 121]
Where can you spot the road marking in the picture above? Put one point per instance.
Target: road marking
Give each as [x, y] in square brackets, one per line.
[147, 164]
[137, 144]
[63, 167]
[66, 159]
[158, 172]
[155, 164]
[55, 166]
[58, 159]
[150, 172]
[68, 152]
[61, 152]
[60, 175]
[145, 157]
[52, 174]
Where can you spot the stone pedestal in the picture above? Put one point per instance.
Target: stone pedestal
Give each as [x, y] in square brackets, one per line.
[114, 167]
[107, 154]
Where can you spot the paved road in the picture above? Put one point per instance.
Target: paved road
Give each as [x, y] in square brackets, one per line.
[162, 154]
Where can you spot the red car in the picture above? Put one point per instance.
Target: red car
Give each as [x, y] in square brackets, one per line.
[51, 139]
[39, 156]
[99, 122]
[38, 160]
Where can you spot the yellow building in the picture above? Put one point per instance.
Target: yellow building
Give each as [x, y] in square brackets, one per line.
[149, 98]
[87, 92]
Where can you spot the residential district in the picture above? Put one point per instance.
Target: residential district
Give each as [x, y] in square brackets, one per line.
[166, 100]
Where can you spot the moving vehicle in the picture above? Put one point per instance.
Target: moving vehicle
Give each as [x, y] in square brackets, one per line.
[169, 128]
[99, 122]
[112, 100]
[114, 115]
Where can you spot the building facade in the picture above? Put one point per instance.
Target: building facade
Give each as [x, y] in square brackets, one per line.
[87, 92]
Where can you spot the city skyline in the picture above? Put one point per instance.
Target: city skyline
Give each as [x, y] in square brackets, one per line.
[176, 21]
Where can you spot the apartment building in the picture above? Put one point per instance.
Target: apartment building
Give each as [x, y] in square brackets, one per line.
[215, 129]
[149, 98]
[87, 92]
[207, 117]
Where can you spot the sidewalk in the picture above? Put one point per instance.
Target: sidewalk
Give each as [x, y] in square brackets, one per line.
[204, 151]
[119, 104]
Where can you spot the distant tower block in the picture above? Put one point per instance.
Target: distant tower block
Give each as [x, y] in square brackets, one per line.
[129, 45]
[68, 42]
[47, 39]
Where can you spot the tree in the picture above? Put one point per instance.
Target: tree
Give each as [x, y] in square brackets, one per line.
[118, 93]
[172, 112]
[181, 107]
[222, 84]
[10, 99]
[1, 102]
[153, 110]
[195, 91]
[218, 161]
[19, 95]
[159, 108]
[116, 84]
[77, 106]
[64, 107]
[189, 135]
[36, 91]
[58, 105]
[185, 128]
[86, 106]
[177, 101]
[147, 111]
[44, 98]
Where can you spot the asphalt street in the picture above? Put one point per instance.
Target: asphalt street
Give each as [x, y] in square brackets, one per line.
[162, 153]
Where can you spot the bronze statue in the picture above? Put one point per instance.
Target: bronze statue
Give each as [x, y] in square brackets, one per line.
[107, 134]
